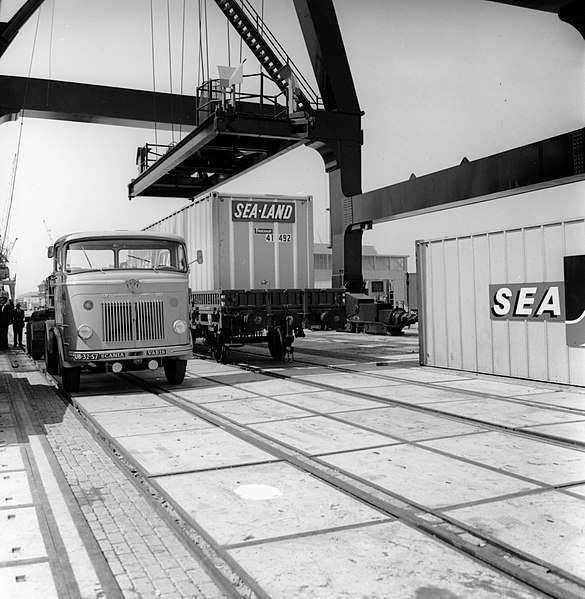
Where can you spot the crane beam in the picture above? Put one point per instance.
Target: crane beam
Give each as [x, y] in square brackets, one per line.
[9, 30]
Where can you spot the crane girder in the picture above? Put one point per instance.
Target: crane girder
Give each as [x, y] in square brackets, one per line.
[334, 131]
[9, 30]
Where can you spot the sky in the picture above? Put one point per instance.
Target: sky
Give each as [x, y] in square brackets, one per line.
[438, 80]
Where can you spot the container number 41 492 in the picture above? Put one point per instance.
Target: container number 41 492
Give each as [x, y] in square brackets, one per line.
[282, 237]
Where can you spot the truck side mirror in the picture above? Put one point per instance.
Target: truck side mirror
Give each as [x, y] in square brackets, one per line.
[50, 251]
[199, 258]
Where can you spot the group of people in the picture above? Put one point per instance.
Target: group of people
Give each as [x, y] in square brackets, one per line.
[10, 315]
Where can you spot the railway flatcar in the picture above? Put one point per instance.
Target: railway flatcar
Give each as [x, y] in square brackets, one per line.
[253, 281]
[235, 317]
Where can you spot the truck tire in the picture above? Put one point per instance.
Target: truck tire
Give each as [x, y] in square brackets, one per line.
[71, 377]
[35, 339]
[51, 357]
[174, 370]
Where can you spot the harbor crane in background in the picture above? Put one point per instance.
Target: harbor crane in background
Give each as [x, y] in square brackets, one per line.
[332, 128]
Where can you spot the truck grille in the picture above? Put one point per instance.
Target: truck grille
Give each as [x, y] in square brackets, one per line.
[133, 321]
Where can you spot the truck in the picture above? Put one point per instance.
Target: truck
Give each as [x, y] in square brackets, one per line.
[120, 301]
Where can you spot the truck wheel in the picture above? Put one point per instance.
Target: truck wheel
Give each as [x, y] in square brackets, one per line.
[175, 370]
[51, 358]
[70, 377]
[276, 344]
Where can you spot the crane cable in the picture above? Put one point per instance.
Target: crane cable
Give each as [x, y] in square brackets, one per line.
[8, 207]
[153, 74]
[203, 62]
[51, 50]
[170, 72]
[182, 71]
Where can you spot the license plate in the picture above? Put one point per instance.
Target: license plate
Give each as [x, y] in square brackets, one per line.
[95, 356]
[85, 356]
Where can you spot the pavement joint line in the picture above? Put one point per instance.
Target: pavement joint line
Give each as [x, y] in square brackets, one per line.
[521, 567]
[424, 409]
[221, 568]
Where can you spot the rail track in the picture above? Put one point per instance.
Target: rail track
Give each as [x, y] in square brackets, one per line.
[439, 525]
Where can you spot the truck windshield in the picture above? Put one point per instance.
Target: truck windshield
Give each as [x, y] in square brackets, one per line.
[113, 254]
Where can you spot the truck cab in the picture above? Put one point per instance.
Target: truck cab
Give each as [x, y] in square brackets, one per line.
[121, 302]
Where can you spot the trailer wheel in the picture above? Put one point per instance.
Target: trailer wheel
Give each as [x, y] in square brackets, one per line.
[175, 370]
[71, 377]
[51, 357]
[276, 344]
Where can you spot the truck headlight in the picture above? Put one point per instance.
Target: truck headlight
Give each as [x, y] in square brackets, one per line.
[84, 331]
[180, 327]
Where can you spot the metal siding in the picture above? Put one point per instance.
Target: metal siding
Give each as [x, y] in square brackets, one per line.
[421, 253]
[554, 248]
[452, 303]
[266, 261]
[536, 333]
[575, 245]
[481, 274]
[199, 216]
[456, 274]
[439, 341]
[468, 333]
[500, 330]
[517, 330]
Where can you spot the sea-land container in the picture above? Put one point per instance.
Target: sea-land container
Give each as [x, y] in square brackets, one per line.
[246, 241]
[508, 302]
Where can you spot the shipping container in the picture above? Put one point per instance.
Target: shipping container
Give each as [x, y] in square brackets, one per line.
[507, 302]
[246, 242]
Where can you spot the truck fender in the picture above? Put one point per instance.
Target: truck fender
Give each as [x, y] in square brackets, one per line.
[51, 329]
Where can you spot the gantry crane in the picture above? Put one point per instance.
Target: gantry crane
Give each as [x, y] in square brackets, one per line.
[336, 134]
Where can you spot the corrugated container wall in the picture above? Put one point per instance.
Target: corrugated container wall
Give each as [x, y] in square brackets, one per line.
[509, 302]
[247, 242]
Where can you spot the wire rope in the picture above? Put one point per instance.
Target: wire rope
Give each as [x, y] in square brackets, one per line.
[153, 75]
[51, 49]
[206, 41]
[182, 72]
[170, 71]
[8, 208]
[201, 75]
[229, 53]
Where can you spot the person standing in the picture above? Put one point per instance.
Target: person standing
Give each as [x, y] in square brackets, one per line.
[5, 320]
[17, 325]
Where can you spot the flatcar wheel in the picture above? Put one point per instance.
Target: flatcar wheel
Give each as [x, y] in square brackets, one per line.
[276, 344]
[71, 378]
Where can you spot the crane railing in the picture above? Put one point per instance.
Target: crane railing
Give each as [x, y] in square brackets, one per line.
[269, 52]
